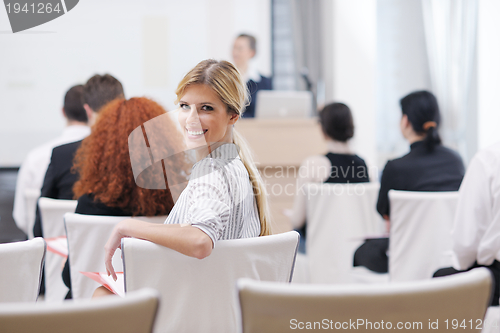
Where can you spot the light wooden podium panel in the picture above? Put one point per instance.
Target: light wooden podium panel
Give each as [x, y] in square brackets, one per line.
[279, 147]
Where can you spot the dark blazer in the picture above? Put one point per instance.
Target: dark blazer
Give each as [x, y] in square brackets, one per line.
[265, 83]
[421, 170]
[59, 179]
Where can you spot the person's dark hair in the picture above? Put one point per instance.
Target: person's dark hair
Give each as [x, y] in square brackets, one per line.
[73, 104]
[100, 90]
[251, 40]
[336, 121]
[422, 110]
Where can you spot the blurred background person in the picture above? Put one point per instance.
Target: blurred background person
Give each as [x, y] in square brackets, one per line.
[34, 167]
[244, 49]
[429, 166]
[339, 166]
[476, 229]
[59, 179]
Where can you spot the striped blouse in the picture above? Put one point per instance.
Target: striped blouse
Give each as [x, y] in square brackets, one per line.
[219, 198]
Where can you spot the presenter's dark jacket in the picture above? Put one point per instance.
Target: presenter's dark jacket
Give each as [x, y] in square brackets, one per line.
[265, 83]
[421, 170]
[59, 179]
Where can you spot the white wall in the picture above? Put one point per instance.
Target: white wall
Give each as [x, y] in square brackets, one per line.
[488, 79]
[148, 45]
[402, 67]
[354, 69]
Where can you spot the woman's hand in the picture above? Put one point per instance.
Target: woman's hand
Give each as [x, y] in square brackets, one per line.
[114, 242]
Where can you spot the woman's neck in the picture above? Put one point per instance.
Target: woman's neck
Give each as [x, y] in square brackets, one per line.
[413, 137]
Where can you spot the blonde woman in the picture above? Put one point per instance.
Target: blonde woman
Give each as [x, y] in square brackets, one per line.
[225, 196]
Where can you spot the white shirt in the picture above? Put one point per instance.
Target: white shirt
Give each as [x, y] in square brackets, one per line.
[219, 198]
[476, 230]
[33, 169]
[252, 73]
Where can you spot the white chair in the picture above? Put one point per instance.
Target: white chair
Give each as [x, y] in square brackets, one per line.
[200, 295]
[31, 196]
[338, 217]
[52, 217]
[420, 236]
[87, 235]
[21, 270]
[301, 269]
[134, 313]
[491, 323]
[274, 307]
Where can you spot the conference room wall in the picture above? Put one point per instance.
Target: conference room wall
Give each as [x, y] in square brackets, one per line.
[488, 76]
[148, 45]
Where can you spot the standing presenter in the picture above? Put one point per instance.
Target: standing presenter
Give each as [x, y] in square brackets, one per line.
[244, 49]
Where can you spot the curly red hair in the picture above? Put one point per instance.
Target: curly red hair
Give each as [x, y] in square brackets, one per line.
[103, 160]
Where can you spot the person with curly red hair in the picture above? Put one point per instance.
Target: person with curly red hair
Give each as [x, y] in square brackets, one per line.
[107, 185]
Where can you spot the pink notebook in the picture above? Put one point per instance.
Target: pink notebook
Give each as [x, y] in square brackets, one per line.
[58, 245]
[116, 287]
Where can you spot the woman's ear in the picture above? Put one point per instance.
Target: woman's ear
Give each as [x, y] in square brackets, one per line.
[404, 121]
[234, 117]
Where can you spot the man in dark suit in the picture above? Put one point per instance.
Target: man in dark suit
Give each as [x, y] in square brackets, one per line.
[244, 49]
[59, 179]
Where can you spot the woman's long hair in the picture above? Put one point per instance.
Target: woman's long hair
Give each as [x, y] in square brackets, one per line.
[422, 110]
[104, 164]
[226, 81]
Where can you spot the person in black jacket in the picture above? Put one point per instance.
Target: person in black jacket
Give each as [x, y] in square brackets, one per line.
[59, 179]
[244, 49]
[338, 166]
[429, 166]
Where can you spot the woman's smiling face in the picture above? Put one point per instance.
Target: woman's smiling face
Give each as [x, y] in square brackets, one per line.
[204, 118]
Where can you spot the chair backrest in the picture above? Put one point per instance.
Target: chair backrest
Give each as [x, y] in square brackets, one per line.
[134, 313]
[52, 217]
[200, 295]
[31, 196]
[87, 235]
[420, 236]
[338, 217]
[273, 307]
[21, 270]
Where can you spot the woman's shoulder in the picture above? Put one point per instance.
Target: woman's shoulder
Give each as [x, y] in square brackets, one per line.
[452, 154]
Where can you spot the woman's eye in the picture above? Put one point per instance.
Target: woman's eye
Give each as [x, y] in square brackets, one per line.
[185, 107]
[207, 108]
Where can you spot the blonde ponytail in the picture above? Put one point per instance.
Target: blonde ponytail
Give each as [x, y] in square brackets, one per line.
[226, 81]
[259, 188]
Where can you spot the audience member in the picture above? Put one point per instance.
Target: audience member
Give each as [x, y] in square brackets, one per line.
[225, 197]
[244, 49]
[339, 165]
[106, 185]
[35, 165]
[59, 179]
[429, 166]
[476, 230]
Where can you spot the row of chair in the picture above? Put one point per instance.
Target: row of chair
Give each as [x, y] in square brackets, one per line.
[340, 217]
[430, 203]
[196, 295]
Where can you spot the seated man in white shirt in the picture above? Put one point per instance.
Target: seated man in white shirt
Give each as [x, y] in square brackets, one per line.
[476, 230]
[34, 167]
